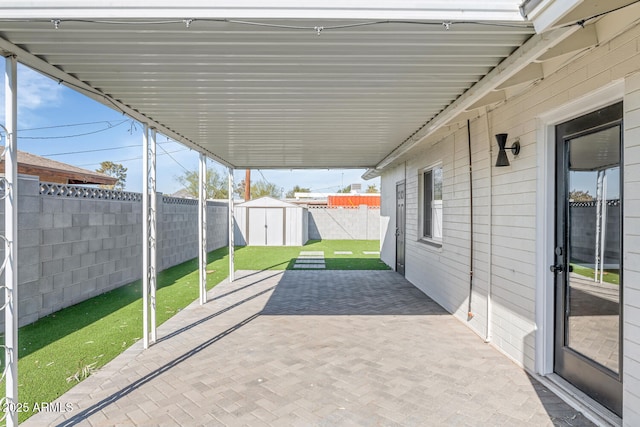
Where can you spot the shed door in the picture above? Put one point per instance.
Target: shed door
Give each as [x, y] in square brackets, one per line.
[266, 226]
[257, 225]
[274, 230]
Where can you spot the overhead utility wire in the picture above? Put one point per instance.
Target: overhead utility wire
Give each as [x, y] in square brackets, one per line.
[98, 149]
[137, 158]
[174, 159]
[598, 15]
[76, 135]
[73, 125]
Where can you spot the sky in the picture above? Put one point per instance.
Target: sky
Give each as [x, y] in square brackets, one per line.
[61, 124]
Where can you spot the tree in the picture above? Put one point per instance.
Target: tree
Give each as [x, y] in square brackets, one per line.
[262, 189]
[346, 189]
[297, 189]
[216, 184]
[259, 189]
[580, 196]
[115, 170]
[372, 189]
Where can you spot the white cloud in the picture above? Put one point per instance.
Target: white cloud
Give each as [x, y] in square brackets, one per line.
[35, 91]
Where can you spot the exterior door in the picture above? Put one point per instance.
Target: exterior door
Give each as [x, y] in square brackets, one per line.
[400, 227]
[588, 261]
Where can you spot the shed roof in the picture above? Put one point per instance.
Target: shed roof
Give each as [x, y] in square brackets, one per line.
[268, 202]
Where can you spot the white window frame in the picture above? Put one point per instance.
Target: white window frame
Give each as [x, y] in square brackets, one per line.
[434, 235]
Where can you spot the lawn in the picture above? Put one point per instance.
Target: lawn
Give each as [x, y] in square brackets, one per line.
[61, 349]
[609, 276]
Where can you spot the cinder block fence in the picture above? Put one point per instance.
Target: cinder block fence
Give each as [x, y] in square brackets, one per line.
[77, 242]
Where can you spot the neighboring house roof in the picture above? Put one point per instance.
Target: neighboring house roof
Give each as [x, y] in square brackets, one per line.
[183, 193]
[61, 173]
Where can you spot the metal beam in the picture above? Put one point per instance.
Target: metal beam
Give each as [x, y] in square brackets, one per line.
[438, 10]
[145, 235]
[153, 233]
[11, 247]
[232, 273]
[202, 228]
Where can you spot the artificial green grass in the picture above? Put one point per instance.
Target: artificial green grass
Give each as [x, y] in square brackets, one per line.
[610, 276]
[63, 348]
[283, 258]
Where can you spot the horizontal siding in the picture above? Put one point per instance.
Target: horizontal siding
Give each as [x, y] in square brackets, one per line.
[631, 238]
[444, 273]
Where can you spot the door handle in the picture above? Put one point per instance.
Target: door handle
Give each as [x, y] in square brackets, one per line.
[557, 268]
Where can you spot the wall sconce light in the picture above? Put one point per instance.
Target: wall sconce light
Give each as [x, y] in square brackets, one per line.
[502, 154]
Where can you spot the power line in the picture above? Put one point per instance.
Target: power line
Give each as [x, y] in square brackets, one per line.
[100, 149]
[74, 125]
[137, 158]
[89, 151]
[76, 135]
[173, 158]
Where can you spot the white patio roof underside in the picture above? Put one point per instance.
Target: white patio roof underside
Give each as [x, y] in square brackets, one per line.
[270, 93]
[270, 87]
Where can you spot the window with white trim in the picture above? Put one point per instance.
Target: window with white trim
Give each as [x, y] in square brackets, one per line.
[431, 204]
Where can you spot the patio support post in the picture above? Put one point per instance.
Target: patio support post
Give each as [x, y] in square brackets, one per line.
[145, 236]
[11, 243]
[153, 233]
[232, 274]
[202, 228]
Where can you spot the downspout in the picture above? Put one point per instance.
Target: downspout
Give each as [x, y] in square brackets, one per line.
[469, 312]
[487, 338]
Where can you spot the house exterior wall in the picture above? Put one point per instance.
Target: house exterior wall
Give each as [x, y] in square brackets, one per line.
[631, 249]
[505, 210]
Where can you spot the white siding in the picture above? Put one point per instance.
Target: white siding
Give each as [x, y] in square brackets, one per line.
[631, 245]
[443, 273]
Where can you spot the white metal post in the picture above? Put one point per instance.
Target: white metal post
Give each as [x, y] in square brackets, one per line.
[202, 228]
[145, 236]
[11, 234]
[153, 205]
[232, 273]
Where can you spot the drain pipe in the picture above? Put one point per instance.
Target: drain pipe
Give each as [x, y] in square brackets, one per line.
[469, 312]
[487, 338]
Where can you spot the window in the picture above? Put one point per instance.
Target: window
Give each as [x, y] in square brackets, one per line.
[431, 206]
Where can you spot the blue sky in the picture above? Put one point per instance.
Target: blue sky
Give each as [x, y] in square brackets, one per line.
[61, 124]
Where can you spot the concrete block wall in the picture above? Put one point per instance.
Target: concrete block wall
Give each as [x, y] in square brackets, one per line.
[178, 229]
[72, 248]
[361, 223]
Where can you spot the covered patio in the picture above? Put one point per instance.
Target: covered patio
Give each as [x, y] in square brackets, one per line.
[312, 348]
[284, 86]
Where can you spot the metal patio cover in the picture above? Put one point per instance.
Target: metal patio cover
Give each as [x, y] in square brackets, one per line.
[278, 86]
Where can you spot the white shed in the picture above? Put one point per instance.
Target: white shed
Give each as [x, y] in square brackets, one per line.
[270, 222]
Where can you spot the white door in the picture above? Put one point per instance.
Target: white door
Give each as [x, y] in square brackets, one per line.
[256, 226]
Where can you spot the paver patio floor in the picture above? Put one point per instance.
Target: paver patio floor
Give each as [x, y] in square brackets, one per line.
[304, 348]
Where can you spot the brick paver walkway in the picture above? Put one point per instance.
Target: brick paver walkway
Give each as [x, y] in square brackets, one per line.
[321, 348]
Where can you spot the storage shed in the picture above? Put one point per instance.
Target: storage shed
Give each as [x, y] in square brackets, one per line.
[270, 222]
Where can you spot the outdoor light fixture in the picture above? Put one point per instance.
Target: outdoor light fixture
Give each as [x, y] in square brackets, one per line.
[502, 154]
